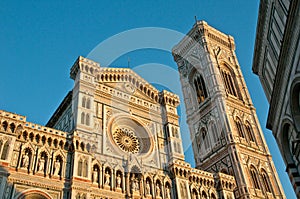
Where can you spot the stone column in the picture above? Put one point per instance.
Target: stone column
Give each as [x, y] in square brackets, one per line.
[113, 180]
[123, 183]
[127, 184]
[101, 177]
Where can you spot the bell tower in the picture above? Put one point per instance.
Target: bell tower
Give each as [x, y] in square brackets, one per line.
[225, 131]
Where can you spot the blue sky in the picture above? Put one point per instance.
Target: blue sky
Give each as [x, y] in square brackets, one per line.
[40, 40]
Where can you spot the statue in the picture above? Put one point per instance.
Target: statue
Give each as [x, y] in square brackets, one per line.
[119, 181]
[168, 193]
[95, 176]
[137, 187]
[148, 188]
[25, 160]
[158, 190]
[41, 164]
[56, 167]
[107, 178]
[134, 184]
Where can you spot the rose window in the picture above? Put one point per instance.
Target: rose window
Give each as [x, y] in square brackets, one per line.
[127, 140]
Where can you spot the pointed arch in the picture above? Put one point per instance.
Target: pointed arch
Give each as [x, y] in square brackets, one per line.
[204, 138]
[239, 127]
[88, 103]
[4, 125]
[229, 80]
[199, 86]
[87, 119]
[249, 131]
[213, 132]
[265, 181]
[85, 168]
[254, 177]
[82, 118]
[83, 101]
[79, 167]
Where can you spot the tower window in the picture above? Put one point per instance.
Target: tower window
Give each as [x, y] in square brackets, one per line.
[249, 132]
[204, 138]
[79, 169]
[87, 118]
[83, 102]
[200, 88]
[265, 181]
[254, 177]
[82, 117]
[239, 128]
[229, 82]
[214, 132]
[88, 103]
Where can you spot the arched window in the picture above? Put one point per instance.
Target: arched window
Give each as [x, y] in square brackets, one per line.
[200, 88]
[178, 147]
[12, 127]
[213, 196]
[5, 150]
[4, 125]
[265, 181]
[87, 122]
[79, 169]
[239, 127]
[88, 103]
[85, 168]
[254, 177]
[214, 132]
[229, 82]
[82, 117]
[83, 102]
[249, 132]
[204, 138]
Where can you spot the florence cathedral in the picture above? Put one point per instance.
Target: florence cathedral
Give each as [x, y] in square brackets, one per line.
[116, 136]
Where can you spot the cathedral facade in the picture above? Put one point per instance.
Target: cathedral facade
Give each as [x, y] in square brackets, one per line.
[116, 136]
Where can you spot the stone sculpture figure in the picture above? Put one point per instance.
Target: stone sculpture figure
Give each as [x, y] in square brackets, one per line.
[25, 160]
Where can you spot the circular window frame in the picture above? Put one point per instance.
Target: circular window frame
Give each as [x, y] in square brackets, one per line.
[133, 124]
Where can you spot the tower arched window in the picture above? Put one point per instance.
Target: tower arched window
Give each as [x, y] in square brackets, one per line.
[249, 132]
[88, 103]
[200, 88]
[228, 79]
[239, 128]
[254, 177]
[85, 168]
[83, 102]
[204, 138]
[265, 181]
[82, 118]
[79, 168]
[214, 132]
[87, 118]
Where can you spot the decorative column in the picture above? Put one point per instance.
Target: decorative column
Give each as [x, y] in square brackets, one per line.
[127, 186]
[123, 183]
[101, 177]
[113, 180]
